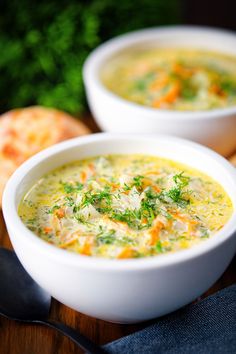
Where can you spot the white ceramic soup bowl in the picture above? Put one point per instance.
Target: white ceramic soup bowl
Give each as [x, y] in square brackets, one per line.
[132, 290]
[214, 128]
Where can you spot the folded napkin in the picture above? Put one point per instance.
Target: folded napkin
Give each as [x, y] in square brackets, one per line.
[207, 327]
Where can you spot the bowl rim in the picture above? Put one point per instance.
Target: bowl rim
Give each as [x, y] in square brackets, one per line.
[14, 222]
[99, 55]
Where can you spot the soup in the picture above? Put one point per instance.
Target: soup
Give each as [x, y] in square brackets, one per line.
[125, 206]
[175, 79]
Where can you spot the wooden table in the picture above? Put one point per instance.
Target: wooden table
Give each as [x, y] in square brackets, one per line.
[16, 338]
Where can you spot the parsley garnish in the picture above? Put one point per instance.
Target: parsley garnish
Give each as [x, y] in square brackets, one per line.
[177, 193]
[131, 217]
[106, 237]
[69, 201]
[97, 198]
[137, 181]
[72, 188]
[181, 180]
[158, 247]
[138, 218]
[51, 210]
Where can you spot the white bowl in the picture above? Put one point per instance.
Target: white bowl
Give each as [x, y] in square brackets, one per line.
[214, 128]
[130, 290]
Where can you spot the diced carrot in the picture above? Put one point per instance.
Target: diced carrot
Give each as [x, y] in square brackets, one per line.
[155, 233]
[60, 213]
[145, 221]
[169, 97]
[87, 246]
[148, 182]
[216, 89]
[47, 230]
[67, 243]
[126, 191]
[69, 239]
[127, 252]
[191, 225]
[86, 249]
[183, 71]
[156, 188]
[83, 176]
[92, 167]
[86, 174]
[184, 218]
[114, 186]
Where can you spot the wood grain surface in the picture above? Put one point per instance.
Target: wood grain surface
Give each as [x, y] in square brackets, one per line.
[17, 338]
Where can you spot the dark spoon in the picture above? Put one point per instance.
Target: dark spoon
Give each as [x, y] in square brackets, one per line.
[22, 299]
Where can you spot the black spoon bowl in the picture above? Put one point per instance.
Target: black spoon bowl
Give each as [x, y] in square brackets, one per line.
[22, 299]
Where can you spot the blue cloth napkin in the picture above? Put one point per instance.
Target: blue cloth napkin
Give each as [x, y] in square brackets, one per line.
[207, 327]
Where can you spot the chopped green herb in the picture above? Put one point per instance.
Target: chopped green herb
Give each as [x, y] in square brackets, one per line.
[177, 193]
[106, 237]
[142, 83]
[181, 180]
[72, 188]
[51, 210]
[138, 181]
[126, 187]
[158, 247]
[97, 198]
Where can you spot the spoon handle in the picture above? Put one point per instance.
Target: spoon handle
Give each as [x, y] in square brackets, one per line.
[75, 336]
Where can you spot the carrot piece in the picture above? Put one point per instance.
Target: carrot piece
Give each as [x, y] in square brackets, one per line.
[145, 221]
[169, 97]
[69, 239]
[127, 252]
[156, 188]
[92, 167]
[191, 225]
[148, 182]
[184, 218]
[216, 89]
[114, 186]
[86, 249]
[126, 192]
[47, 230]
[60, 213]
[183, 71]
[155, 232]
[83, 176]
[67, 243]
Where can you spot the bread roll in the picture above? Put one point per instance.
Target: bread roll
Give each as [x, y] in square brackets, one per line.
[24, 132]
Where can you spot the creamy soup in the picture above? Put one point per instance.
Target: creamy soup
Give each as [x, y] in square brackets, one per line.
[125, 206]
[176, 79]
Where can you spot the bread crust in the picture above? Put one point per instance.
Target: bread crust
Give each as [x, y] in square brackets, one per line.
[26, 131]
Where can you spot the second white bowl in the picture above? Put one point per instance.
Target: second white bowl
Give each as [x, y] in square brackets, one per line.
[214, 128]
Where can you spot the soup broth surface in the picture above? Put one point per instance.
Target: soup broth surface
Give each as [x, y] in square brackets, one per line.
[175, 79]
[125, 206]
